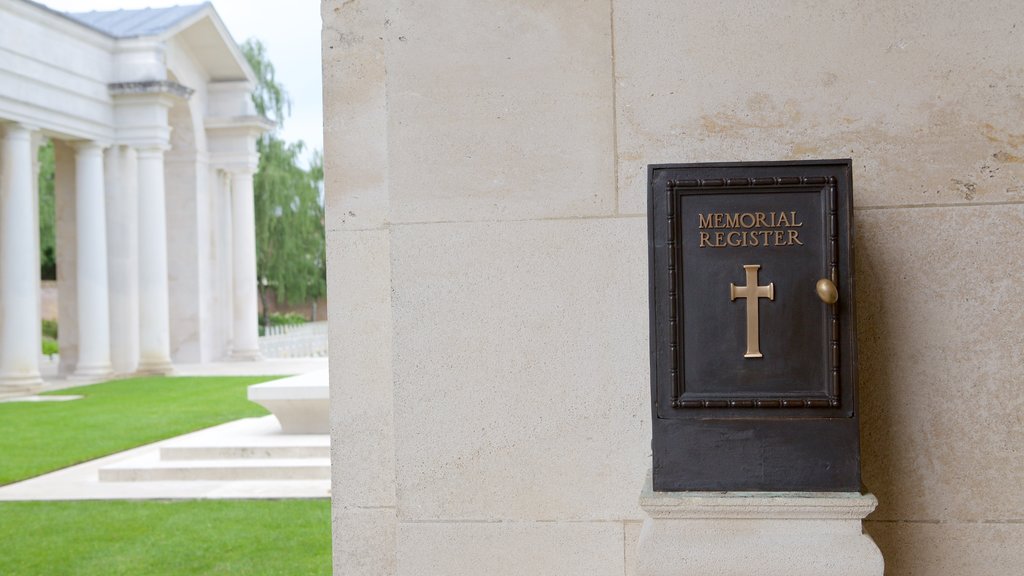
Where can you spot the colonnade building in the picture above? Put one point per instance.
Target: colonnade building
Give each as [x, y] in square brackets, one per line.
[154, 135]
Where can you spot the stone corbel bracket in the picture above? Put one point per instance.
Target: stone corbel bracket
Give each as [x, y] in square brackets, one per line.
[150, 87]
[764, 533]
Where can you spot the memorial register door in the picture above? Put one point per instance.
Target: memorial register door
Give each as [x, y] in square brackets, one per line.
[752, 327]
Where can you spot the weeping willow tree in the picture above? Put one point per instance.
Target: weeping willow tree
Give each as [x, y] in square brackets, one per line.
[290, 245]
[47, 214]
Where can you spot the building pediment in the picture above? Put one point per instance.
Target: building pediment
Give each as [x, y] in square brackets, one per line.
[198, 27]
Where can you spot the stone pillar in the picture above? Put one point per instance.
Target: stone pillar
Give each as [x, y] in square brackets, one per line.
[20, 335]
[154, 319]
[764, 533]
[245, 343]
[91, 237]
[225, 314]
[123, 264]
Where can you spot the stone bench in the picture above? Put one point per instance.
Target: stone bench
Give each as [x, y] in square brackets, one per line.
[300, 403]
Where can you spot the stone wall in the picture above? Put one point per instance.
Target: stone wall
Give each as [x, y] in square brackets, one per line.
[485, 167]
[304, 309]
[48, 300]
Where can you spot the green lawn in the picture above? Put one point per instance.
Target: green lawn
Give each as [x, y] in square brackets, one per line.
[215, 537]
[39, 437]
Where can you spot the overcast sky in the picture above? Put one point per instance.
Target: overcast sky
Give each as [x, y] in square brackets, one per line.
[290, 29]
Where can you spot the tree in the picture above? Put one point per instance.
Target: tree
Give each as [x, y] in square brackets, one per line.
[47, 214]
[289, 224]
[269, 96]
[290, 245]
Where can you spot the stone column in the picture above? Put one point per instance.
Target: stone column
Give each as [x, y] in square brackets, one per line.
[20, 335]
[245, 343]
[154, 322]
[91, 237]
[123, 257]
[225, 316]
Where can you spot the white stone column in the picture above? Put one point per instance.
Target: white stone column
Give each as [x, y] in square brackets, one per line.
[154, 314]
[245, 340]
[20, 334]
[123, 257]
[91, 237]
[225, 316]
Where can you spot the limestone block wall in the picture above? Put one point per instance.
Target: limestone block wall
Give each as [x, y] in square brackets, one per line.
[926, 98]
[486, 216]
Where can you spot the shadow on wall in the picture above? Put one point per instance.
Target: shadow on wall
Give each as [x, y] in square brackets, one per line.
[880, 446]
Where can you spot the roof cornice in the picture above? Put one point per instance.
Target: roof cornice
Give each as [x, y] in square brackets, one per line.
[150, 87]
[59, 21]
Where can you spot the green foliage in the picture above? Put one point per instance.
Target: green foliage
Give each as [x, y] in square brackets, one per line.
[290, 245]
[50, 328]
[289, 224]
[50, 346]
[279, 319]
[47, 214]
[40, 437]
[288, 319]
[201, 537]
[269, 96]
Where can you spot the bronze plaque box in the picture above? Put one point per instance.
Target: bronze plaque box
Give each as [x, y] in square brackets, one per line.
[753, 359]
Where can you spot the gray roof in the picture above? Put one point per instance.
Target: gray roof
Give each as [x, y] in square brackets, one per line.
[134, 23]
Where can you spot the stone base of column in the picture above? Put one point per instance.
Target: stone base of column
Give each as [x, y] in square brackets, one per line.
[92, 372]
[756, 533]
[161, 368]
[19, 385]
[246, 355]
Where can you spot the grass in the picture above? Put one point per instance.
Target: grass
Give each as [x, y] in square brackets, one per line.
[39, 437]
[50, 346]
[195, 537]
[222, 537]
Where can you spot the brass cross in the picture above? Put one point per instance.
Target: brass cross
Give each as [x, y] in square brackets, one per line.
[753, 293]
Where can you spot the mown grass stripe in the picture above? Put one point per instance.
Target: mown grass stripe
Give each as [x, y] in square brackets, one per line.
[197, 537]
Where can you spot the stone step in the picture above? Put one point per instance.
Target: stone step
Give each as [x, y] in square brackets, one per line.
[150, 468]
[243, 452]
[251, 450]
